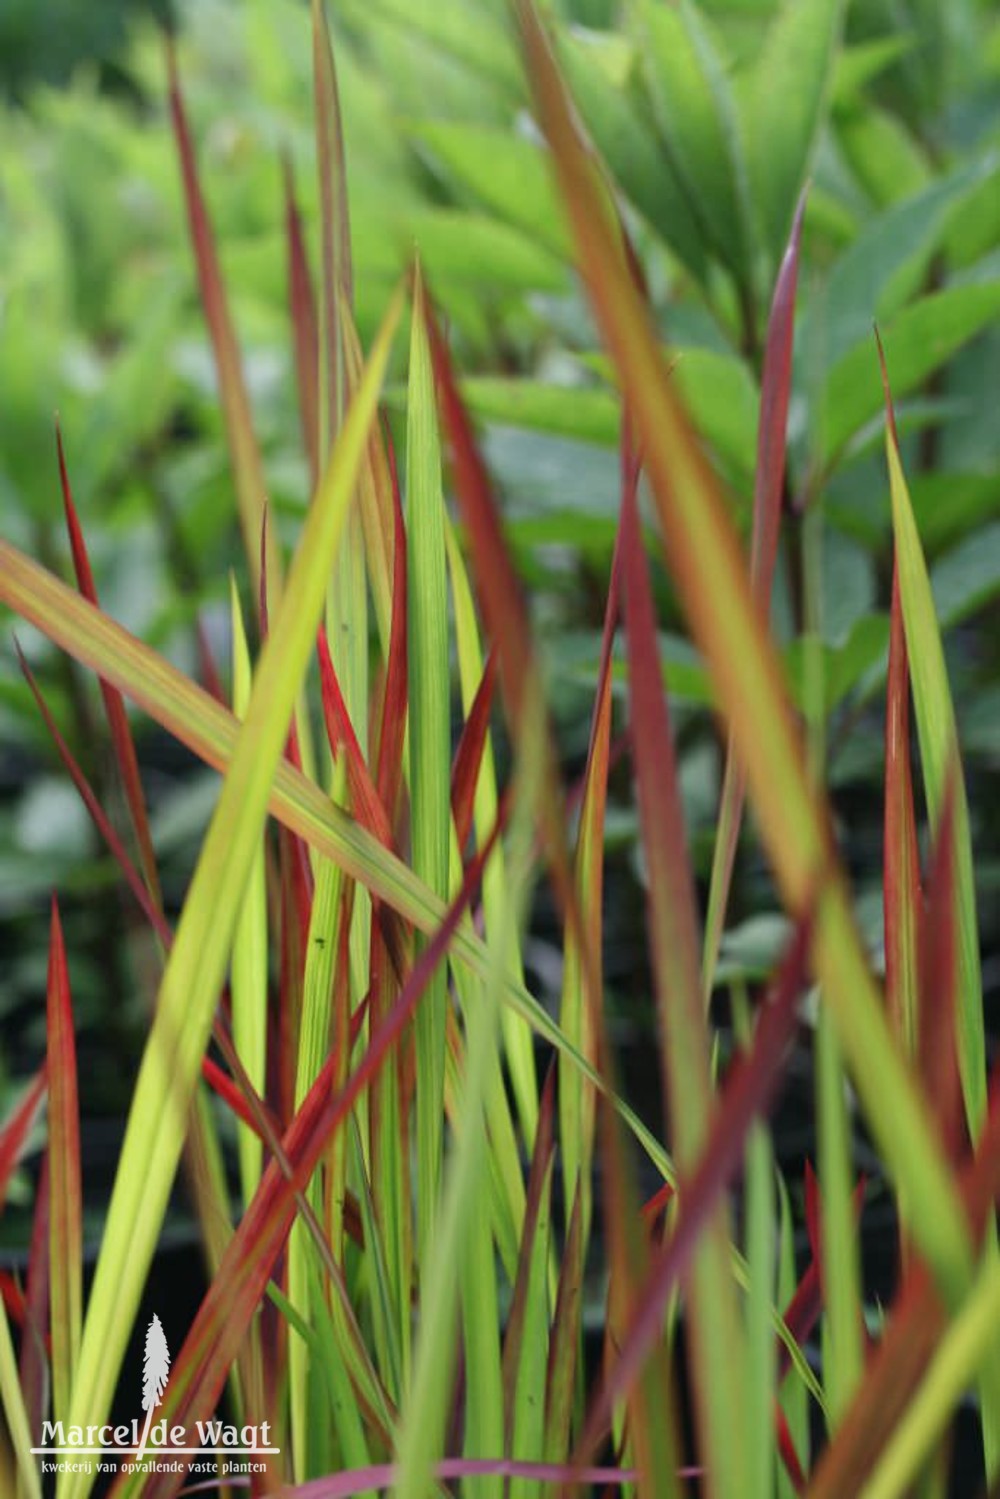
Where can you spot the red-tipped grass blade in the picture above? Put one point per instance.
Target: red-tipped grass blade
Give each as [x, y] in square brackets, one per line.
[305, 327]
[114, 704]
[469, 754]
[248, 469]
[337, 275]
[748, 1093]
[16, 1130]
[65, 1192]
[33, 1311]
[769, 480]
[684, 1043]
[504, 609]
[903, 897]
[392, 729]
[365, 801]
[148, 903]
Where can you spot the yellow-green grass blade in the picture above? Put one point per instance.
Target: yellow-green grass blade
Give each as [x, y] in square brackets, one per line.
[248, 969]
[792, 1396]
[383, 1309]
[939, 756]
[28, 1481]
[759, 1247]
[963, 1353]
[704, 557]
[843, 1353]
[390, 1168]
[528, 1324]
[480, 1313]
[314, 1046]
[429, 739]
[942, 771]
[516, 1035]
[504, 1159]
[196, 966]
[577, 1100]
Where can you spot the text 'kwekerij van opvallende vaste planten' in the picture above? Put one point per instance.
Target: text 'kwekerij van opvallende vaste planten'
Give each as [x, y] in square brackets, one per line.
[605, 656]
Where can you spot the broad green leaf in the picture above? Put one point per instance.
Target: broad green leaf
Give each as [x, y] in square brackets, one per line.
[195, 969]
[918, 341]
[621, 124]
[886, 158]
[585, 412]
[786, 108]
[465, 248]
[477, 39]
[696, 114]
[881, 268]
[967, 578]
[506, 172]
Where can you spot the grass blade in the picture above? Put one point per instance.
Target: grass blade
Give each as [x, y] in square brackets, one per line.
[248, 969]
[939, 756]
[769, 480]
[718, 1350]
[248, 469]
[901, 865]
[65, 1190]
[430, 737]
[114, 706]
[305, 328]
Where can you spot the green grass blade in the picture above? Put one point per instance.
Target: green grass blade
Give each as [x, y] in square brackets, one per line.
[788, 101]
[939, 752]
[248, 971]
[28, 1483]
[516, 1035]
[430, 735]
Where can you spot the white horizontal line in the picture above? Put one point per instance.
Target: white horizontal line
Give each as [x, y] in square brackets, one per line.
[156, 1451]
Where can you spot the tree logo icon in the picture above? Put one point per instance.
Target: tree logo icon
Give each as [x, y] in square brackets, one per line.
[155, 1371]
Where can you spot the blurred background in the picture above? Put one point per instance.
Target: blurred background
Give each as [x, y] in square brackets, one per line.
[101, 325]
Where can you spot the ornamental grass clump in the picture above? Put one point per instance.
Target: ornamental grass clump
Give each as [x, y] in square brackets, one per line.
[399, 1263]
